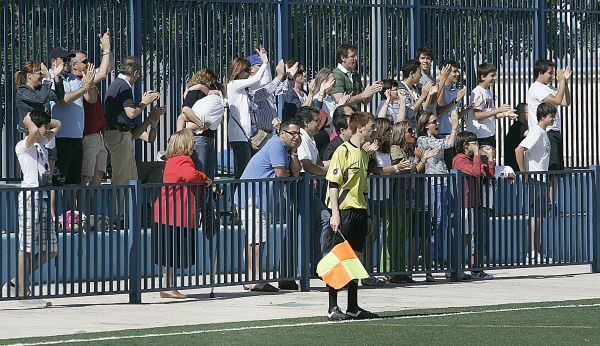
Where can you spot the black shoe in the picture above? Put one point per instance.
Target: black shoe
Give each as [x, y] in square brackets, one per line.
[361, 314]
[373, 282]
[288, 285]
[335, 314]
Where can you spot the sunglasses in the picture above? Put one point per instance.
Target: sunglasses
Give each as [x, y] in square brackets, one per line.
[248, 70]
[474, 143]
[84, 61]
[411, 130]
[433, 122]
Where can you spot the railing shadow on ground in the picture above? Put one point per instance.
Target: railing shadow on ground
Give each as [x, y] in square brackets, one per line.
[135, 238]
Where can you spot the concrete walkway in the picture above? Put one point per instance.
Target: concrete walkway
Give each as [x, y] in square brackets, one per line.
[106, 313]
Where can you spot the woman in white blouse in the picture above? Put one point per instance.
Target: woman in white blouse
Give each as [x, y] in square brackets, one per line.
[239, 129]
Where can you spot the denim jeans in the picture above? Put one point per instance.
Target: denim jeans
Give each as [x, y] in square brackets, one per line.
[439, 212]
[321, 216]
[205, 158]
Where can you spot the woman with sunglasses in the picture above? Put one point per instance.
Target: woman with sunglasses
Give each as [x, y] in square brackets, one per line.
[239, 125]
[402, 150]
[34, 89]
[436, 199]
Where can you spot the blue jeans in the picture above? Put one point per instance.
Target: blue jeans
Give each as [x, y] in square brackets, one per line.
[439, 212]
[321, 217]
[205, 155]
[205, 158]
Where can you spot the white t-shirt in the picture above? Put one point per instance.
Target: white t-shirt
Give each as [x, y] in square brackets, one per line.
[34, 160]
[537, 156]
[535, 95]
[485, 127]
[381, 191]
[210, 109]
[307, 149]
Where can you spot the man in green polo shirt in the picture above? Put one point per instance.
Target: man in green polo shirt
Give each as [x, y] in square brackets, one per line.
[348, 81]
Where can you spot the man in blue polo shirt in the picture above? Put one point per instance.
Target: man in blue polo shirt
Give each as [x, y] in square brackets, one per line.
[69, 111]
[120, 112]
[277, 158]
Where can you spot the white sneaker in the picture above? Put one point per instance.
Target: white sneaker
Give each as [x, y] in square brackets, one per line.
[8, 290]
[533, 258]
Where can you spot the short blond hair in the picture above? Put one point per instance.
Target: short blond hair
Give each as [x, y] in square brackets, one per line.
[180, 143]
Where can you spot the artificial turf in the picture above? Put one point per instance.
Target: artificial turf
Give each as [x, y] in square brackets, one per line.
[568, 322]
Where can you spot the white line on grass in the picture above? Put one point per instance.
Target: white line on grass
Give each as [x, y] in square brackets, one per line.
[108, 338]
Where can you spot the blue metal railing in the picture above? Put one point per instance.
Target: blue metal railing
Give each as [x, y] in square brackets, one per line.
[176, 38]
[134, 240]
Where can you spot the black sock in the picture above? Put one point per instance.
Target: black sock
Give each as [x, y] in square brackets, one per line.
[332, 297]
[353, 295]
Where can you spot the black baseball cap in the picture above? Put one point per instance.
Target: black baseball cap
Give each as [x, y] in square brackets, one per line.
[60, 53]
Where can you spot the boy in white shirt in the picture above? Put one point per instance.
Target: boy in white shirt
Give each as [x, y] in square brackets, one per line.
[34, 225]
[482, 120]
[542, 91]
[536, 146]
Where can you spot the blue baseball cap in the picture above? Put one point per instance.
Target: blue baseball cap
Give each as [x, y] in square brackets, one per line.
[254, 59]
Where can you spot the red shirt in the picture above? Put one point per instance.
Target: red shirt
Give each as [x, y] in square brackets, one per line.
[94, 117]
[474, 168]
[177, 205]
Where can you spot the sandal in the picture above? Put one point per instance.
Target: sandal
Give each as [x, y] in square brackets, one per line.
[173, 294]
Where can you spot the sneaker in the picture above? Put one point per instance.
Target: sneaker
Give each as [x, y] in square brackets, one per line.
[373, 282]
[465, 277]
[335, 314]
[9, 289]
[533, 258]
[288, 285]
[401, 279]
[481, 275]
[361, 314]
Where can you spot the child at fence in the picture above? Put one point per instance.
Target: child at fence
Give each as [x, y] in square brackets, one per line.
[477, 163]
[482, 119]
[175, 211]
[533, 155]
[37, 238]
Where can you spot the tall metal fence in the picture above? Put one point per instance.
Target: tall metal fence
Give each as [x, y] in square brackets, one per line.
[176, 38]
[152, 237]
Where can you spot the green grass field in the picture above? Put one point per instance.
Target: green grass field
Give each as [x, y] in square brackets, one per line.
[568, 322]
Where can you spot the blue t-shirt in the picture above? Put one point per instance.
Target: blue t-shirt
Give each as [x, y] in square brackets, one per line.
[262, 165]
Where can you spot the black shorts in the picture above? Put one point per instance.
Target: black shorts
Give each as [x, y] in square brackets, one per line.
[354, 226]
[557, 162]
[539, 197]
[70, 158]
[491, 141]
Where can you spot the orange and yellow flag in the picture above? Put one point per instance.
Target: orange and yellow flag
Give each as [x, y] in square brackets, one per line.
[340, 266]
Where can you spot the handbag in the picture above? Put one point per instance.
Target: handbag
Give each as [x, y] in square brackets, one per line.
[258, 140]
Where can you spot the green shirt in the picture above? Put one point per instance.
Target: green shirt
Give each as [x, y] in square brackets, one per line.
[343, 84]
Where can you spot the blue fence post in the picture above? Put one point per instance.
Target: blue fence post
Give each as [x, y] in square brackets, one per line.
[135, 290]
[539, 29]
[456, 225]
[305, 232]
[595, 267]
[283, 35]
[415, 26]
